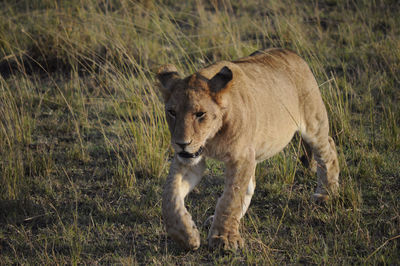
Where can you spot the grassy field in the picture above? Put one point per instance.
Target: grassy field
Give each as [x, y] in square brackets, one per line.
[84, 146]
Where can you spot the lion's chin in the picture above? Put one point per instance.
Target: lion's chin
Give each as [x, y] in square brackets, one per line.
[189, 161]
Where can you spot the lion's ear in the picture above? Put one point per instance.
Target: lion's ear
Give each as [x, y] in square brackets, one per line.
[167, 75]
[220, 80]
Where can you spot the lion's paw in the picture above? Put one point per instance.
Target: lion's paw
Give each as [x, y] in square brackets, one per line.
[320, 197]
[231, 241]
[188, 239]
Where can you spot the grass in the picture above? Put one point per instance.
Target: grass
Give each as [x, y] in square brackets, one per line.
[84, 146]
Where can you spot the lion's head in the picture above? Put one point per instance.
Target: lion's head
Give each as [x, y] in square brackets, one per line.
[194, 109]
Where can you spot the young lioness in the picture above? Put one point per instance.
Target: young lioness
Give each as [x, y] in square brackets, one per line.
[241, 113]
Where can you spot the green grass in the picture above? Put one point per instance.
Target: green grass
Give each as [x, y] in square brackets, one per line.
[84, 146]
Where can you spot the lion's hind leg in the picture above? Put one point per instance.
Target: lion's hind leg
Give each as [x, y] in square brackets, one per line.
[307, 159]
[325, 156]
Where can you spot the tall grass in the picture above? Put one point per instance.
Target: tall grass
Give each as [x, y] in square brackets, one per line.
[84, 146]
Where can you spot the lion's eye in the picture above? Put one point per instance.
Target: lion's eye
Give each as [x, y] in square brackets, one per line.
[200, 114]
[172, 113]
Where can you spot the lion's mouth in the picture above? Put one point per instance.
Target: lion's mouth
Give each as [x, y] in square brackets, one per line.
[185, 154]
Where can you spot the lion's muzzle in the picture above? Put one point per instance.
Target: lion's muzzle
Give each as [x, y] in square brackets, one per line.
[187, 155]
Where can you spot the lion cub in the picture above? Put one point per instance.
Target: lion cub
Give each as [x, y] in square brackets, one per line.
[241, 113]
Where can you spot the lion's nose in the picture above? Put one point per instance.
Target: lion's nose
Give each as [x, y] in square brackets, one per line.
[183, 144]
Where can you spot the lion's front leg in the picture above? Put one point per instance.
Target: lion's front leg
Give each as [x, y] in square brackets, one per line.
[233, 203]
[178, 222]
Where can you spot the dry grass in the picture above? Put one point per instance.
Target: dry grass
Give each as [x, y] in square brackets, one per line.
[84, 146]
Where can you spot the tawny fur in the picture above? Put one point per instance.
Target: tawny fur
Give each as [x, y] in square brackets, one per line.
[240, 112]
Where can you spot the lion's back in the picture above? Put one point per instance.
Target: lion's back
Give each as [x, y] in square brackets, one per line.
[283, 88]
[276, 60]
[281, 73]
